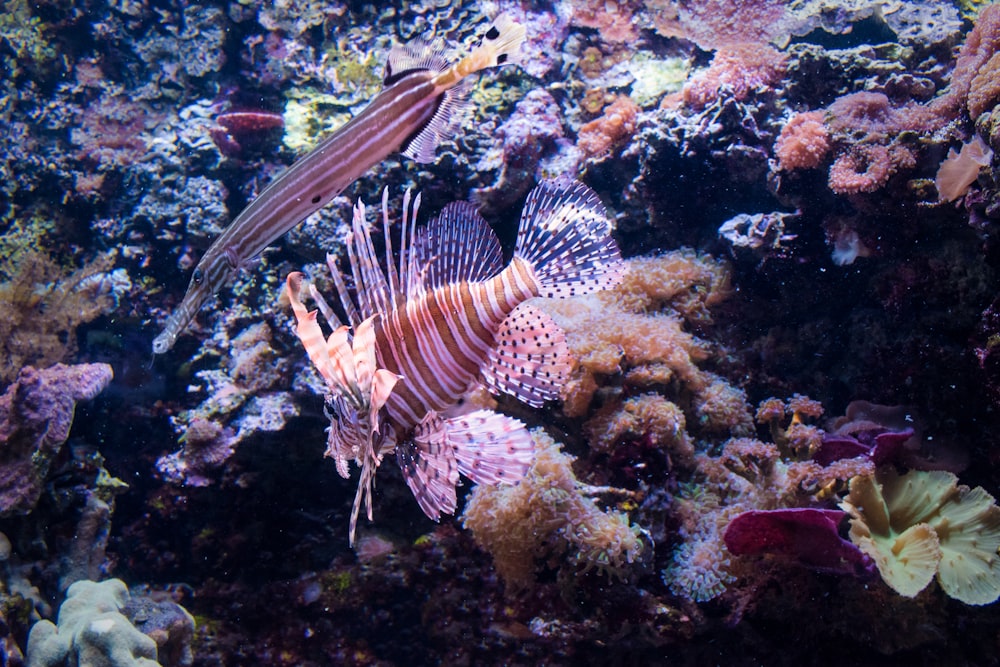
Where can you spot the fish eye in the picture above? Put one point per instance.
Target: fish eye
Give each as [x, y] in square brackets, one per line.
[197, 276]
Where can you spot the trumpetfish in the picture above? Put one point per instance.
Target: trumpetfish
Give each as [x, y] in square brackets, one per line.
[450, 317]
[419, 104]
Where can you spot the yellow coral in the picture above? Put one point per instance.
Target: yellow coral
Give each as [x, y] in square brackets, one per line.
[916, 524]
[544, 516]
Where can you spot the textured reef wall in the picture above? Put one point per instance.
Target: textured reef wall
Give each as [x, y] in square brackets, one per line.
[778, 442]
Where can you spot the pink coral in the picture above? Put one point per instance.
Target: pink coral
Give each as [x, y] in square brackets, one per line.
[803, 143]
[613, 19]
[616, 125]
[980, 46]
[864, 168]
[984, 92]
[742, 68]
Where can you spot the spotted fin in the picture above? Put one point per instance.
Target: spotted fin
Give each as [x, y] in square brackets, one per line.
[531, 360]
[491, 448]
[429, 467]
[457, 245]
[565, 236]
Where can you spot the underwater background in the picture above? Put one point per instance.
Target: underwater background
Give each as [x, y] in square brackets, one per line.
[779, 442]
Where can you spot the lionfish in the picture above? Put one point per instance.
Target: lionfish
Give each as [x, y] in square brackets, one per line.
[449, 317]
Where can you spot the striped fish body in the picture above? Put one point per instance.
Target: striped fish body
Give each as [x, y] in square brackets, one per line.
[442, 340]
[452, 316]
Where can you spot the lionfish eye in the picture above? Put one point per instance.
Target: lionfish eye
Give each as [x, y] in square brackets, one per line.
[198, 277]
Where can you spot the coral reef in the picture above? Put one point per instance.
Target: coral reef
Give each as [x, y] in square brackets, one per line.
[43, 305]
[809, 198]
[546, 516]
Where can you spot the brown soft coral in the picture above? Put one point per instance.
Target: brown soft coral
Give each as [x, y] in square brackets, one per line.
[42, 304]
[616, 125]
[638, 331]
[545, 516]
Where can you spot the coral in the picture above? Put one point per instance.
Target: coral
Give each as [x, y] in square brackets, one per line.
[878, 444]
[741, 69]
[621, 331]
[110, 133]
[615, 125]
[242, 395]
[919, 523]
[92, 631]
[874, 116]
[42, 304]
[961, 169]
[803, 143]
[700, 570]
[648, 415]
[613, 19]
[27, 48]
[981, 44]
[713, 24]
[166, 623]
[36, 413]
[759, 234]
[806, 535]
[532, 133]
[545, 516]
[864, 168]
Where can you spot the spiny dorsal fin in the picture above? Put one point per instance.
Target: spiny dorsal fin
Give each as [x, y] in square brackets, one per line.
[410, 57]
[531, 360]
[453, 104]
[458, 245]
[429, 467]
[491, 448]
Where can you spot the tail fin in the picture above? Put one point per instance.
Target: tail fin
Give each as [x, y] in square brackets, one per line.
[565, 236]
[502, 41]
[500, 46]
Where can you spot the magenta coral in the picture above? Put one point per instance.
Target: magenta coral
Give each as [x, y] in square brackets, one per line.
[742, 68]
[803, 143]
[613, 19]
[806, 535]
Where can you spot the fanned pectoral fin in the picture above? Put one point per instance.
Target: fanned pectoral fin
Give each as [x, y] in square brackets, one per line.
[429, 467]
[491, 448]
[531, 361]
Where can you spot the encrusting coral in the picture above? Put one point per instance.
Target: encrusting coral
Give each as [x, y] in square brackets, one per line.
[921, 523]
[545, 516]
[93, 630]
[36, 413]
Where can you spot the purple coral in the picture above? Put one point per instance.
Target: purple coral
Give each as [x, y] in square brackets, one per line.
[806, 535]
[36, 413]
[879, 444]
